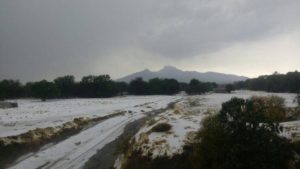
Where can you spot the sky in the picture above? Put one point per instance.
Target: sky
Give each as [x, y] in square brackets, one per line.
[44, 39]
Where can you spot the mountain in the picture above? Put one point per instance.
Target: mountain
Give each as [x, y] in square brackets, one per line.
[184, 76]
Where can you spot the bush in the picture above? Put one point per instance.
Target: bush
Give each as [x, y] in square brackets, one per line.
[161, 127]
[296, 148]
[273, 107]
[241, 136]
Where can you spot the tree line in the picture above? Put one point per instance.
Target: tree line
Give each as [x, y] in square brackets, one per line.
[289, 82]
[101, 86]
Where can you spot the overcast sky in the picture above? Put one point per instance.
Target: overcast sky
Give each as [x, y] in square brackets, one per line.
[43, 39]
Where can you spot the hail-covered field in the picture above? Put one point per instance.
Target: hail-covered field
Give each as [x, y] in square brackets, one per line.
[184, 119]
[32, 114]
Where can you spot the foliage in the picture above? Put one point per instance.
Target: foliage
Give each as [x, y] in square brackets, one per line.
[138, 87]
[163, 86]
[122, 87]
[45, 90]
[276, 82]
[197, 87]
[154, 86]
[241, 136]
[296, 148]
[161, 127]
[10, 89]
[89, 87]
[66, 85]
[229, 88]
[273, 107]
[97, 86]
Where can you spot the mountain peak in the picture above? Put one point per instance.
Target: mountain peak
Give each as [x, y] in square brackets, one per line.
[184, 76]
[146, 70]
[169, 68]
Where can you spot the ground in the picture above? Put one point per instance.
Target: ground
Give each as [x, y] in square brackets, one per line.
[184, 119]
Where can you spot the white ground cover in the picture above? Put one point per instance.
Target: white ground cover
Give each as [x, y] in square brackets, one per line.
[33, 114]
[73, 152]
[76, 150]
[291, 130]
[185, 120]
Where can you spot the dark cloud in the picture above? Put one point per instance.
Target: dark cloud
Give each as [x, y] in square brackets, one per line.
[44, 39]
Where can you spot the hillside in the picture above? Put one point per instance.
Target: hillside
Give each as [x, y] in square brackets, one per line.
[184, 76]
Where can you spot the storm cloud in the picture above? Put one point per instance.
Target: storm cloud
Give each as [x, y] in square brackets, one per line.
[42, 39]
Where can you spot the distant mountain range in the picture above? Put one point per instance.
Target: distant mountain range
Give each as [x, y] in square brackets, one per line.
[184, 76]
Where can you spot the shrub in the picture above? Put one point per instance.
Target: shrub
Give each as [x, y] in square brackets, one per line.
[273, 107]
[161, 127]
[241, 136]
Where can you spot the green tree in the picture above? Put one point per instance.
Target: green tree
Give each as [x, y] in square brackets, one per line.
[66, 85]
[105, 87]
[10, 89]
[122, 87]
[197, 87]
[163, 86]
[97, 86]
[229, 88]
[45, 90]
[242, 137]
[138, 87]
[276, 82]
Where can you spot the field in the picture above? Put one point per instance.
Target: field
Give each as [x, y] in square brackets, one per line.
[184, 117]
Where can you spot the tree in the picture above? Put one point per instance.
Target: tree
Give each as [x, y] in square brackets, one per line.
[105, 87]
[276, 82]
[156, 86]
[229, 88]
[97, 86]
[138, 87]
[66, 85]
[87, 86]
[197, 87]
[241, 136]
[122, 87]
[10, 89]
[45, 90]
[163, 86]
[172, 86]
